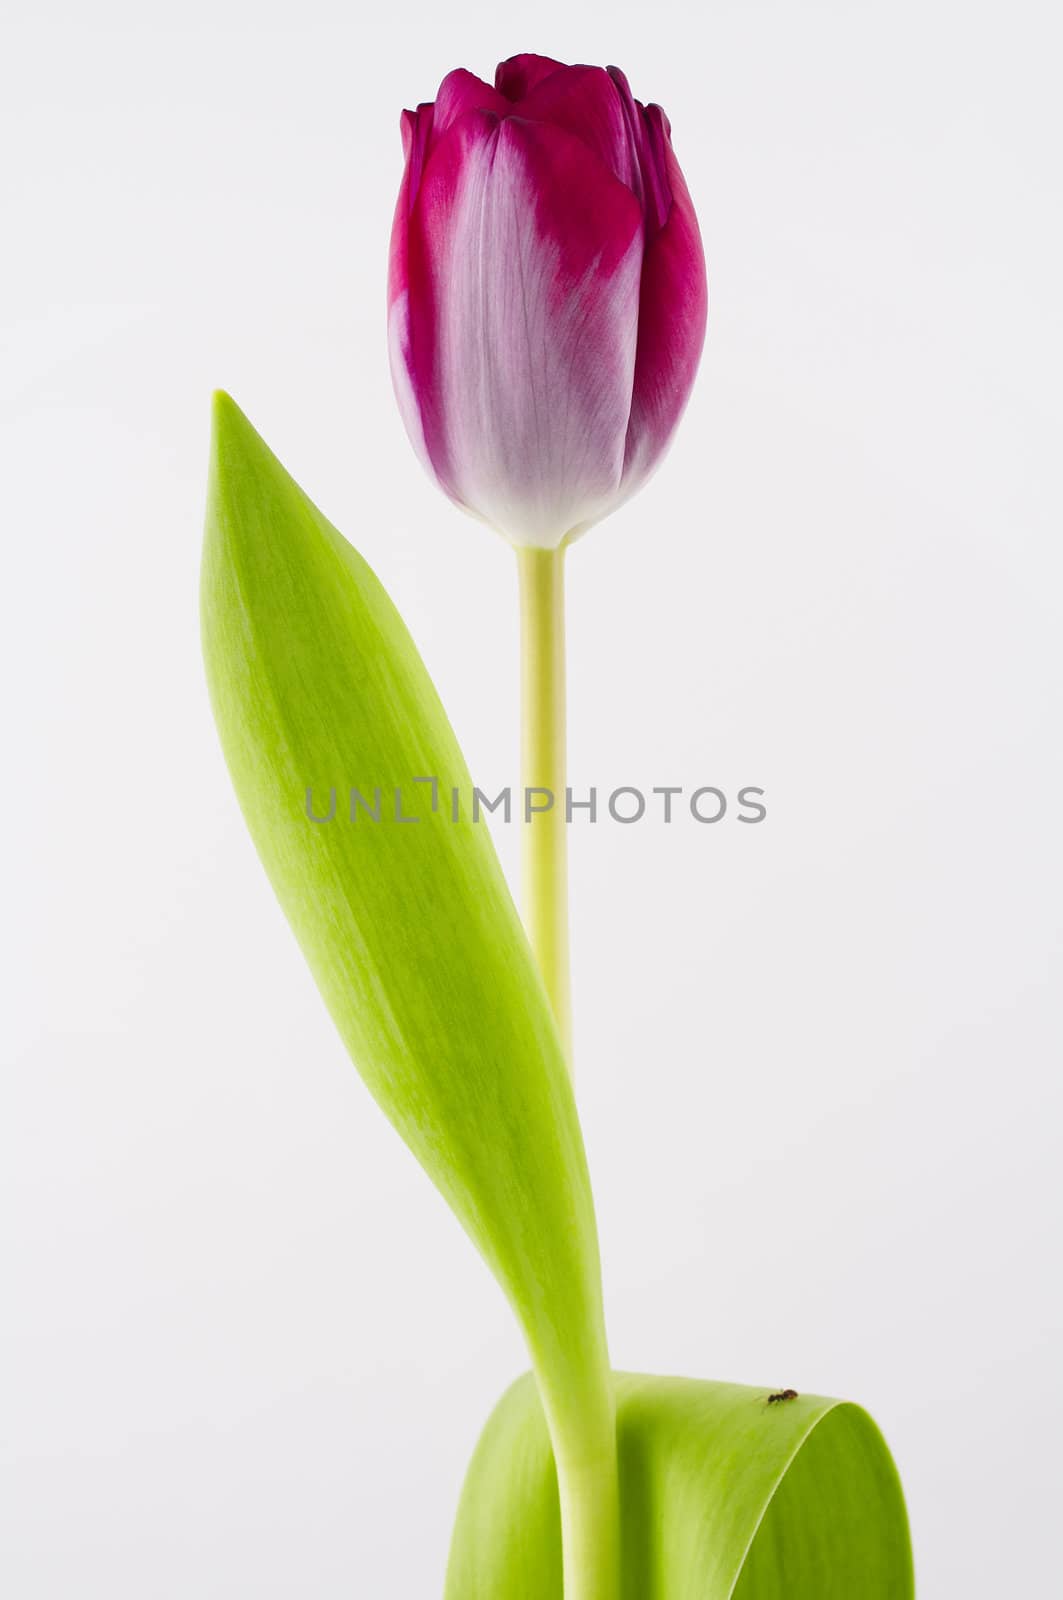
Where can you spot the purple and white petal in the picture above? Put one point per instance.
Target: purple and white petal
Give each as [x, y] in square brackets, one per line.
[524, 265]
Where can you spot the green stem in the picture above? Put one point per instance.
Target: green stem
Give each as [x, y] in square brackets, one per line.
[544, 834]
[583, 1426]
[590, 1525]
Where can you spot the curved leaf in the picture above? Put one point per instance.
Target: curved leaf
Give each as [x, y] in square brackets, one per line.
[408, 927]
[723, 1496]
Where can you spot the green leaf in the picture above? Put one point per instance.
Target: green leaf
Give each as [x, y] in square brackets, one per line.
[723, 1496]
[408, 927]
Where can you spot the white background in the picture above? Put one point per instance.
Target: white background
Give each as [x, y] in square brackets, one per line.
[247, 1351]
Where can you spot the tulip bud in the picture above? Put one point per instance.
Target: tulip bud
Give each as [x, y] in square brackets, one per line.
[547, 294]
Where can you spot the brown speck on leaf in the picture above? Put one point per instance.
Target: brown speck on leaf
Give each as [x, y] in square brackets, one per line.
[783, 1394]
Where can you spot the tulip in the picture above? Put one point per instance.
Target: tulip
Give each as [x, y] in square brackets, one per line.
[547, 294]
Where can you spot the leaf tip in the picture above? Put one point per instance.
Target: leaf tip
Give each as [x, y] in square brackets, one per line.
[228, 424]
[238, 459]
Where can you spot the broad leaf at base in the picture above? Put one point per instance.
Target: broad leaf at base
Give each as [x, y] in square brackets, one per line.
[723, 1496]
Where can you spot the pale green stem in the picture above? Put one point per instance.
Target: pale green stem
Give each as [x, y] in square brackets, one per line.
[544, 832]
[583, 1431]
[590, 1525]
